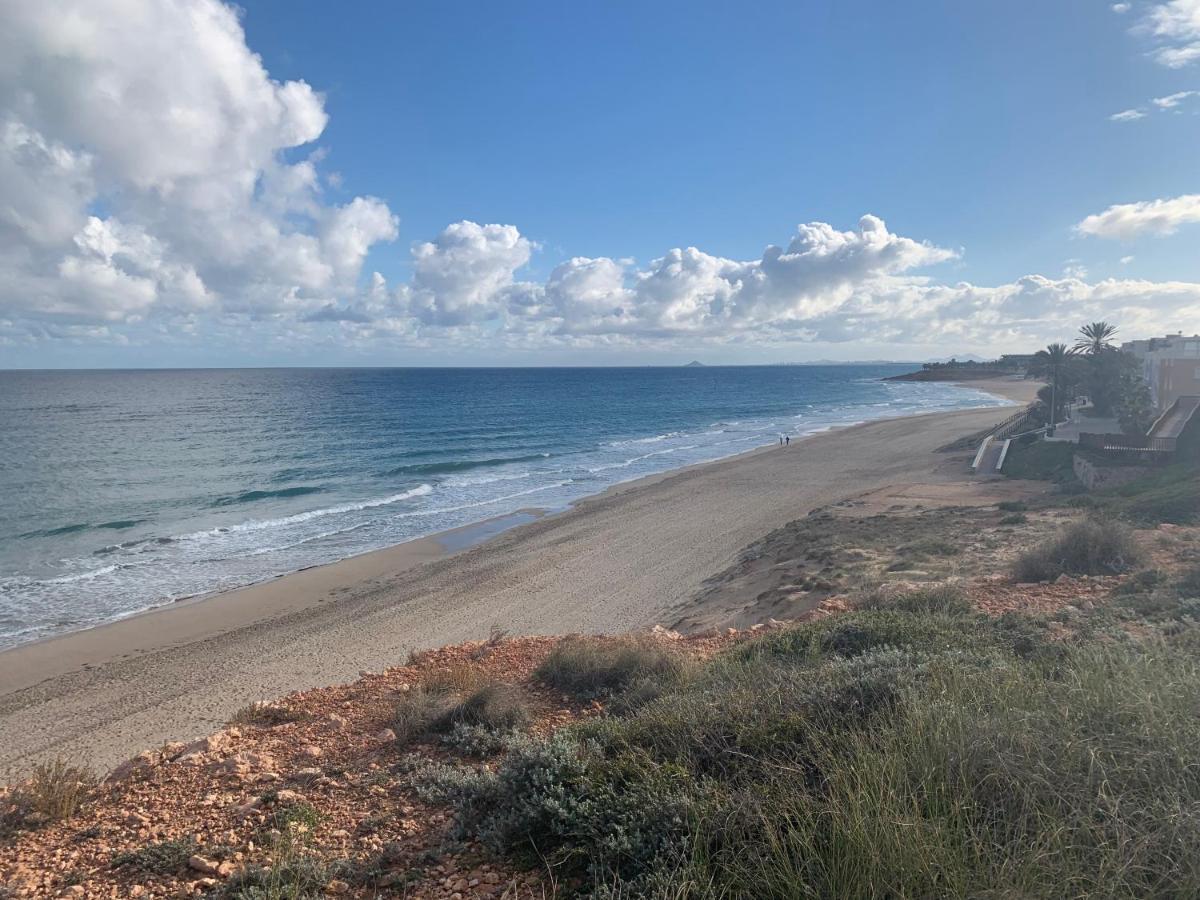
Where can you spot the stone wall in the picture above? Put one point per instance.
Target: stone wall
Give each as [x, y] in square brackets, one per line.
[1095, 477]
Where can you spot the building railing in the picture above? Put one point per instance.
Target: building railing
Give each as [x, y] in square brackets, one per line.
[1131, 447]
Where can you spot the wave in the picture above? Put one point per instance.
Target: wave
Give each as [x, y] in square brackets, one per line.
[628, 462]
[55, 532]
[475, 481]
[252, 496]
[262, 551]
[463, 465]
[129, 545]
[259, 524]
[82, 576]
[646, 440]
[488, 502]
[119, 524]
[115, 525]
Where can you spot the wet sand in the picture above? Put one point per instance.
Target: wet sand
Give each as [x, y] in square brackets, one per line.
[625, 559]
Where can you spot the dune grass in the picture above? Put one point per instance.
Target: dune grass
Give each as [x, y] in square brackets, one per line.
[1092, 547]
[587, 668]
[915, 749]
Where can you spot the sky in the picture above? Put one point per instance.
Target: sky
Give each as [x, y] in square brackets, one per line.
[286, 182]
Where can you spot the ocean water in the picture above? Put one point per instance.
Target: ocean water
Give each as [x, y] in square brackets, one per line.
[122, 490]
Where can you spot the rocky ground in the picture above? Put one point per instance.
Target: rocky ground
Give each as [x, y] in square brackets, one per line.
[316, 782]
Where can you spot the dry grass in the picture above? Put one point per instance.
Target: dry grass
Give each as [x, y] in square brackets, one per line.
[588, 667]
[1092, 547]
[55, 791]
[266, 714]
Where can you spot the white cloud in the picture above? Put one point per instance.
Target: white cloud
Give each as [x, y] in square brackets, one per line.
[1173, 100]
[1121, 8]
[1127, 115]
[1175, 28]
[462, 275]
[1127, 220]
[1126, 260]
[142, 169]
[157, 185]
[825, 286]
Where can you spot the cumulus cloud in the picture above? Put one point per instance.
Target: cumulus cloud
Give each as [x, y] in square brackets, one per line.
[157, 185]
[1128, 220]
[148, 167]
[459, 276]
[1120, 8]
[824, 285]
[1174, 26]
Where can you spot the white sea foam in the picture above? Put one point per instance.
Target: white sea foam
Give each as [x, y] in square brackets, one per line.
[260, 524]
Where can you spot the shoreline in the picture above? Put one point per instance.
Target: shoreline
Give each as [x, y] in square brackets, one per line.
[407, 554]
[619, 559]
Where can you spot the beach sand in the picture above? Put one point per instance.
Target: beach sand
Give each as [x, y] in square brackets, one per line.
[626, 559]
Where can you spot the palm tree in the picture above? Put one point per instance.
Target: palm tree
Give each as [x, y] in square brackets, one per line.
[1053, 361]
[1094, 338]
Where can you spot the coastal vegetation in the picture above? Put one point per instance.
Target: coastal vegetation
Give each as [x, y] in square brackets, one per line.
[918, 749]
[993, 700]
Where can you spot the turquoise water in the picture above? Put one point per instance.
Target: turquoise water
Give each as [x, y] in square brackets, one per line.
[124, 490]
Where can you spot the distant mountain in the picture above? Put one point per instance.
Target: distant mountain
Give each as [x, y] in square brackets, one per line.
[967, 357]
[693, 364]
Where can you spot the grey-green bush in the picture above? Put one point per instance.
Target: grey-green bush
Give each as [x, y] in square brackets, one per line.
[1091, 547]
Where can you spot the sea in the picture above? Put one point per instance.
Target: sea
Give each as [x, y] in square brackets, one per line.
[125, 490]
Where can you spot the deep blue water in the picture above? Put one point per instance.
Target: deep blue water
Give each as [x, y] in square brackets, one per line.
[123, 490]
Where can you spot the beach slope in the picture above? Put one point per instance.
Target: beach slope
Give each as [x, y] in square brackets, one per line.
[620, 561]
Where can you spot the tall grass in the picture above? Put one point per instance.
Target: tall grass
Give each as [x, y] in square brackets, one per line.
[1092, 547]
[914, 751]
[590, 667]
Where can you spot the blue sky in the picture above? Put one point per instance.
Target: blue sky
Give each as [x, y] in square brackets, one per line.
[626, 128]
[980, 133]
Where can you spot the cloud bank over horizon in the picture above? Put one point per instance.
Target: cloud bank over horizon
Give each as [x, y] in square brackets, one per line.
[144, 201]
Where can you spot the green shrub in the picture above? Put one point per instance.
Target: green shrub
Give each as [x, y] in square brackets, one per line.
[299, 877]
[294, 873]
[417, 711]
[860, 632]
[927, 547]
[1091, 547]
[294, 821]
[478, 741]
[1012, 506]
[1140, 583]
[425, 711]
[913, 750]
[1171, 494]
[1041, 460]
[499, 707]
[165, 858]
[588, 667]
[942, 598]
[561, 802]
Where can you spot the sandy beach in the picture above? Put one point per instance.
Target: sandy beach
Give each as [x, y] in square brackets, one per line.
[626, 559]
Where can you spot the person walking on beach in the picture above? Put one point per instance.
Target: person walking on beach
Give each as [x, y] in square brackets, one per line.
[781, 440]
[787, 440]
